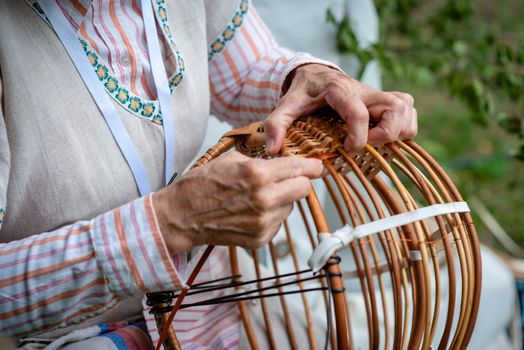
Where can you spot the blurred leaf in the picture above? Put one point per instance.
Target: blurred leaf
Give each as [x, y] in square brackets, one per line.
[330, 17]
[460, 48]
[512, 124]
[520, 54]
[505, 53]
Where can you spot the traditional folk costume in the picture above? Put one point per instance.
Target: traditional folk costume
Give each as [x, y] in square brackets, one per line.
[70, 261]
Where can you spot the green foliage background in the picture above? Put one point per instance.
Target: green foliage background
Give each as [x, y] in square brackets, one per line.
[463, 60]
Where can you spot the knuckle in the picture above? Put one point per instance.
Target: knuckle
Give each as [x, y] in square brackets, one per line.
[398, 105]
[271, 122]
[260, 201]
[233, 156]
[252, 172]
[360, 117]
[334, 84]
[411, 133]
[406, 98]
[304, 186]
[261, 223]
[342, 76]
[383, 135]
[388, 135]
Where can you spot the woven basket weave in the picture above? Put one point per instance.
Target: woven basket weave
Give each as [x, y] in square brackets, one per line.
[399, 271]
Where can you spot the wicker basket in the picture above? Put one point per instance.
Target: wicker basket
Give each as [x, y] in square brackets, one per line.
[398, 267]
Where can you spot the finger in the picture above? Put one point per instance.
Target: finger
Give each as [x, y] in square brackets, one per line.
[387, 130]
[412, 130]
[259, 172]
[395, 113]
[252, 232]
[290, 167]
[296, 103]
[354, 112]
[277, 123]
[407, 98]
[285, 192]
[373, 97]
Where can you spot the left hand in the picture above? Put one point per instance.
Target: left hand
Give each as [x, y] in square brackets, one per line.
[314, 85]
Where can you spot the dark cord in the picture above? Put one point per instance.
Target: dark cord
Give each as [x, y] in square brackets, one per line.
[238, 284]
[329, 315]
[202, 284]
[165, 298]
[237, 297]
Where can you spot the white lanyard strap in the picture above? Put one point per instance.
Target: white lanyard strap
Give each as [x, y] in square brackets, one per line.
[331, 243]
[73, 47]
[161, 84]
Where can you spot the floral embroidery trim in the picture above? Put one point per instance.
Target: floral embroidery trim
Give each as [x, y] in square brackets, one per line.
[2, 214]
[139, 106]
[176, 78]
[228, 33]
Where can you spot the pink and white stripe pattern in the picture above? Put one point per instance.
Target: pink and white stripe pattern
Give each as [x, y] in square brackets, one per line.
[205, 327]
[65, 276]
[246, 77]
[115, 30]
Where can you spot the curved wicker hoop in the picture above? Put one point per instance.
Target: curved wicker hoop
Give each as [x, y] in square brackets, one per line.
[418, 282]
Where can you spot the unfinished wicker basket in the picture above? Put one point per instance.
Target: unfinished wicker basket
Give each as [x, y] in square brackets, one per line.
[402, 228]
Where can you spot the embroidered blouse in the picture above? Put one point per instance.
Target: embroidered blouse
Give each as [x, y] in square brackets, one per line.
[95, 264]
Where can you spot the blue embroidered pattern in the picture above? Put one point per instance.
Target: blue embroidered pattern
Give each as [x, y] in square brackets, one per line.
[139, 106]
[228, 33]
[133, 103]
[178, 75]
[2, 214]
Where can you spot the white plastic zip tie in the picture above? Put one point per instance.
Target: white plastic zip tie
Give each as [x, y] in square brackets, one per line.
[329, 244]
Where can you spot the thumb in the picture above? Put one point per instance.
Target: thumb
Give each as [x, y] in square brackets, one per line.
[280, 120]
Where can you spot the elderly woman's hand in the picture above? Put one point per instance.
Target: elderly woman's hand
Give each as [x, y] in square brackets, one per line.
[313, 86]
[233, 200]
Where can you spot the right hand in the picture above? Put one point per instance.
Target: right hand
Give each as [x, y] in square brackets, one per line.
[233, 200]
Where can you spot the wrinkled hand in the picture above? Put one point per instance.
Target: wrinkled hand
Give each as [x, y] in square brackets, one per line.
[233, 200]
[314, 85]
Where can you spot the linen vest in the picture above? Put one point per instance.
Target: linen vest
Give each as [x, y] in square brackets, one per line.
[59, 162]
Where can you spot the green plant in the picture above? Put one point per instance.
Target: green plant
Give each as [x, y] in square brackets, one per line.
[443, 44]
[463, 60]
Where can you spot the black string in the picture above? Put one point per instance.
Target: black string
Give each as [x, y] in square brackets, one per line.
[166, 297]
[244, 283]
[328, 311]
[200, 285]
[231, 297]
[268, 288]
[236, 297]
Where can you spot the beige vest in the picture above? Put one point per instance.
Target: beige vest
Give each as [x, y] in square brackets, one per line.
[59, 162]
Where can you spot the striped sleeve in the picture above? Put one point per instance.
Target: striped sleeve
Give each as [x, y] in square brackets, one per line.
[57, 278]
[247, 68]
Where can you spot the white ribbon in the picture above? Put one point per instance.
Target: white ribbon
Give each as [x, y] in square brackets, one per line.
[331, 243]
[68, 37]
[162, 86]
